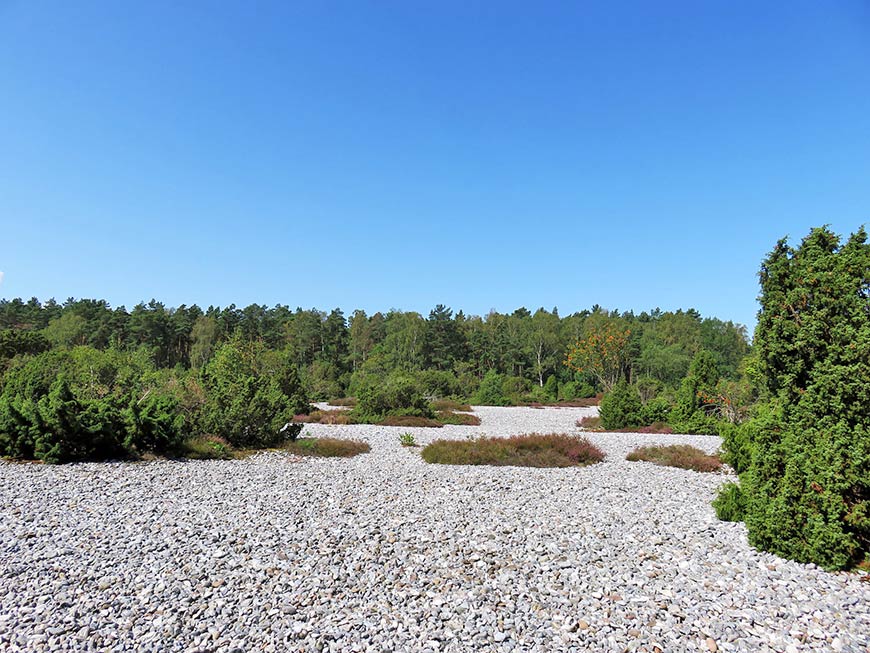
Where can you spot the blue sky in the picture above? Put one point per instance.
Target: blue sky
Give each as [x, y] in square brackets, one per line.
[377, 155]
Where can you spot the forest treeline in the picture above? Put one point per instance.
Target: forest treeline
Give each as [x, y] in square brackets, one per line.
[450, 353]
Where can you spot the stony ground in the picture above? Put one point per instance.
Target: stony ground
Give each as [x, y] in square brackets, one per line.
[386, 553]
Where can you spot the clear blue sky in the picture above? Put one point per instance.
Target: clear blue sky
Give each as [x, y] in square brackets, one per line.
[402, 154]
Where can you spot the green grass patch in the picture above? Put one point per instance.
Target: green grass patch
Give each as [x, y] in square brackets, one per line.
[327, 447]
[531, 450]
[683, 456]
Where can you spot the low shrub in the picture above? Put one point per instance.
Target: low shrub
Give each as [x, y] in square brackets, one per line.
[327, 447]
[730, 503]
[397, 395]
[86, 404]
[737, 444]
[551, 388]
[532, 450]
[438, 383]
[459, 419]
[410, 420]
[251, 395]
[697, 423]
[590, 423]
[513, 388]
[621, 408]
[347, 402]
[683, 456]
[571, 390]
[657, 409]
[490, 391]
[440, 405]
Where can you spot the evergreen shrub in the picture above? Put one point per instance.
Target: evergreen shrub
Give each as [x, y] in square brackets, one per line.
[621, 408]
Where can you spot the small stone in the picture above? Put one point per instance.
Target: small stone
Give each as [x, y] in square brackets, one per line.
[712, 646]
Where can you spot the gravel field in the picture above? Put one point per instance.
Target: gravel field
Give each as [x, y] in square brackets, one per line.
[383, 552]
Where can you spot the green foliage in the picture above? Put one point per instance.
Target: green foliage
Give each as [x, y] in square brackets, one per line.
[490, 392]
[730, 503]
[568, 390]
[694, 411]
[396, 395]
[737, 439]
[438, 384]
[621, 407]
[320, 381]
[71, 429]
[551, 388]
[203, 335]
[444, 341]
[67, 330]
[252, 396]
[407, 440]
[575, 390]
[154, 422]
[806, 461]
[514, 388]
[657, 409]
[85, 404]
[329, 351]
[14, 342]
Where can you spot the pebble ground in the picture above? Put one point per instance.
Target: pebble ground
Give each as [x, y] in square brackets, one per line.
[384, 552]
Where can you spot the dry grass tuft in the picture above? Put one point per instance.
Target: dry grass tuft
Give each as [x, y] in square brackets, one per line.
[532, 450]
[327, 447]
[683, 456]
[589, 423]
